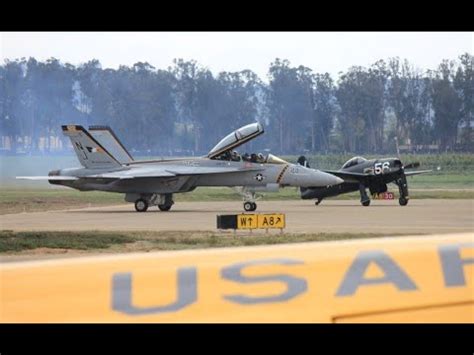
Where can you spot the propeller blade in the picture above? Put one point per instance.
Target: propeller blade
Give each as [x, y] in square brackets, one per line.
[412, 165]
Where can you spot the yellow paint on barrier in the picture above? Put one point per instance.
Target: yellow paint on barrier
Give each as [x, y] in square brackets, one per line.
[402, 279]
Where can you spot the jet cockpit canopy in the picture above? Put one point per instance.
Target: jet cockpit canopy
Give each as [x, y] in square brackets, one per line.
[236, 138]
[353, 161]
[272, 159]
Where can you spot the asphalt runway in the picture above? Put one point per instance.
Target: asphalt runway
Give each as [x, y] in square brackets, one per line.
[420, 216]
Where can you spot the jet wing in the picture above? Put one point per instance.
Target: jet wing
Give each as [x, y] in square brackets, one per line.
[416, 172]
[148, 172]
[56, 178]
[357, 177]
[209, 170]
[168, 171]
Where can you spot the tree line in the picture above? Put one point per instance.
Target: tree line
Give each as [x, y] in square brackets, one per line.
[186, 109]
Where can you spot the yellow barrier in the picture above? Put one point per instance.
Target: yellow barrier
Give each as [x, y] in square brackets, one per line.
[407, 279]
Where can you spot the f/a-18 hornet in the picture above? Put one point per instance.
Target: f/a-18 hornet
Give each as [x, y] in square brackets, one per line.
[359, 173]
[108, 166]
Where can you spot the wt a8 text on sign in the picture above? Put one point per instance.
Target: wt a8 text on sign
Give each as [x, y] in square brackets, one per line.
[261, 221]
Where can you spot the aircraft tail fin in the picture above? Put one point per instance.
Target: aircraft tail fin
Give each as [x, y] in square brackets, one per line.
[106, 136]
[91, 154]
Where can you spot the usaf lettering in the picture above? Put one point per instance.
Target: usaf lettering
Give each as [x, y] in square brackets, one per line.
[452, 267]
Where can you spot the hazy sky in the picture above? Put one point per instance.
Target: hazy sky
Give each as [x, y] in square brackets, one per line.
[234, 51]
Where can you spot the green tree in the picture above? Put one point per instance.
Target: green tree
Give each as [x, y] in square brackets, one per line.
[464, 85]
[12, 84]
[290, 106]
[325, 108]
[446, 104]
[361, 95]
[409, 97]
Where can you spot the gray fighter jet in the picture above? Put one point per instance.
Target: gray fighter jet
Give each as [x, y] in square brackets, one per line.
[108, 166]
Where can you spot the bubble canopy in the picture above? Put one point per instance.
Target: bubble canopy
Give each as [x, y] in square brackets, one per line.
[353, 161]
[236, 138]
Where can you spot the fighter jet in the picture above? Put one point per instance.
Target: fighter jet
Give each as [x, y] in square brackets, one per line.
[359, 173]
[108, 166]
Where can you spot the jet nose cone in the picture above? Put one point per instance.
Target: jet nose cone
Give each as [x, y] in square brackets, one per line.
[329, 179]
[320, 178]
[332, 179]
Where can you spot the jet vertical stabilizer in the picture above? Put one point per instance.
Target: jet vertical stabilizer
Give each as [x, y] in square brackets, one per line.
[91, 154]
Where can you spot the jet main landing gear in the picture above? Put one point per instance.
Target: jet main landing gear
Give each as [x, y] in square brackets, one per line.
[164, 208]
[141, 205]
[163, 201]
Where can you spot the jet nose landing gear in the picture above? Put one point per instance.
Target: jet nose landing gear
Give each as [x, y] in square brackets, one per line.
[249, 198]
[250, 206]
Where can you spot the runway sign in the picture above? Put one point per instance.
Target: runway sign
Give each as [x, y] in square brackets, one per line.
[274, 220]
[251, 221]
[247, 221]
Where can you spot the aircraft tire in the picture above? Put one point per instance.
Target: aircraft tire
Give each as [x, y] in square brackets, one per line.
[141, 205]
[249, 206]
[366, 203]
[164, 208]
[403, 201]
